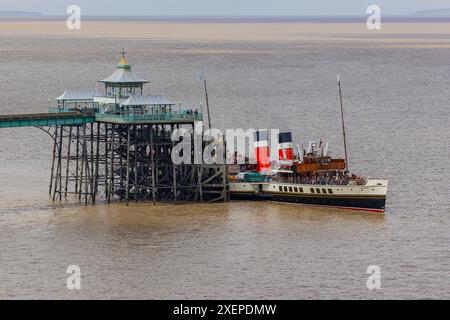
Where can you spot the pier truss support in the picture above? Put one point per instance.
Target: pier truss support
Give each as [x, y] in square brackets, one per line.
[130, 163]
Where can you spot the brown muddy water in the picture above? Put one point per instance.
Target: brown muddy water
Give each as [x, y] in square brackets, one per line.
[396, 93]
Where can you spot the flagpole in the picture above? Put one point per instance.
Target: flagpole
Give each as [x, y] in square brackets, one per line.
[207, 103]
[343, 124]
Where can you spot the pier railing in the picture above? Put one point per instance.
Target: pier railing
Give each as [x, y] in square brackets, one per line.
[60, 110]
[45, 119]
[168, 117]
[70, 117]
[146, 118]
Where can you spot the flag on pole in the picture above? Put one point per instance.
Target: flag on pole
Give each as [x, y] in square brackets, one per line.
[201, 76]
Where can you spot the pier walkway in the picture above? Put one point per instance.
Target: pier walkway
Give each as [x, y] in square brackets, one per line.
[45, 119]
[65, 118]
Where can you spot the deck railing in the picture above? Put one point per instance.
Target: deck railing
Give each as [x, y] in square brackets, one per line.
[164, 117]
[59, 110]
[174, 116]
[89, 111]
[45, 119]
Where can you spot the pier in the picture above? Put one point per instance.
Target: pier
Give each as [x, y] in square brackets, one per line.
[45, 119]
[116, 146]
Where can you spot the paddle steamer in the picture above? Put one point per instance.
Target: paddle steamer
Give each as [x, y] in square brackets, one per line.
[313, 178]
[306, 175]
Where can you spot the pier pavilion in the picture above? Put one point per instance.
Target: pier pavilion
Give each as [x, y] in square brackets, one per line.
[116, 145]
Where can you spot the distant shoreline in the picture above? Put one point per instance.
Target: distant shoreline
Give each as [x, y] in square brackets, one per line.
[239, 19]
[401, 34]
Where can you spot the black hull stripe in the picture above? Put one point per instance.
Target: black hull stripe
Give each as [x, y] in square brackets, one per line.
[323, 195]
[370, 203]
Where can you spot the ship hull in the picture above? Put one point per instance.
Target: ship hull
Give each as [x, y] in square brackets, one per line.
[351, 203]
[370, 198]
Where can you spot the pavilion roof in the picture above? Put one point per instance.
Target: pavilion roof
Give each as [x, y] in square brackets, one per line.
[123, 74]
[147, 100]
[78, 95]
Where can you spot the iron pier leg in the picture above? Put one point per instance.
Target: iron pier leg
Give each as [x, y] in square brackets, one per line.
[127, 197]
[92, 163]
[136, 152]
[111, 179]
[58, 184]
[68, 162]
[121, 187]
[152, 157]
[107, 148]
[86, 166]
[97, 163]
[55, 138]
[174, 171]
[77, 159]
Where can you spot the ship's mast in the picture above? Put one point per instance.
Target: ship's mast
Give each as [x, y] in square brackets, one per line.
[203, 78]
[343, 123]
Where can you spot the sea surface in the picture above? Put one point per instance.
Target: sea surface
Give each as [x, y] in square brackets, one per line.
[396, 95]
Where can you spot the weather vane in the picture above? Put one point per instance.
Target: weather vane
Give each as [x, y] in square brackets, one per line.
[123, 52]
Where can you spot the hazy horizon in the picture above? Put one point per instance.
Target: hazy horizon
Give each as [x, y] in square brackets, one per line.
[418, 17]
[229, 8]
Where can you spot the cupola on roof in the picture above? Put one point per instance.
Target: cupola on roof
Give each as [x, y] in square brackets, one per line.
[123, 74]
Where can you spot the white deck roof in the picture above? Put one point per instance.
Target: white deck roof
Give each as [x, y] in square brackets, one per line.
[78, 95]
[148, 100]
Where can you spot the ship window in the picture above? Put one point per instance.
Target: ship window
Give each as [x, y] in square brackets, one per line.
[330, 191]
[290, 189]
[317, 190]
[301, 189]
[280, 188]
[312, 190]
[324, 190]
[285, 189]
[295, 189]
